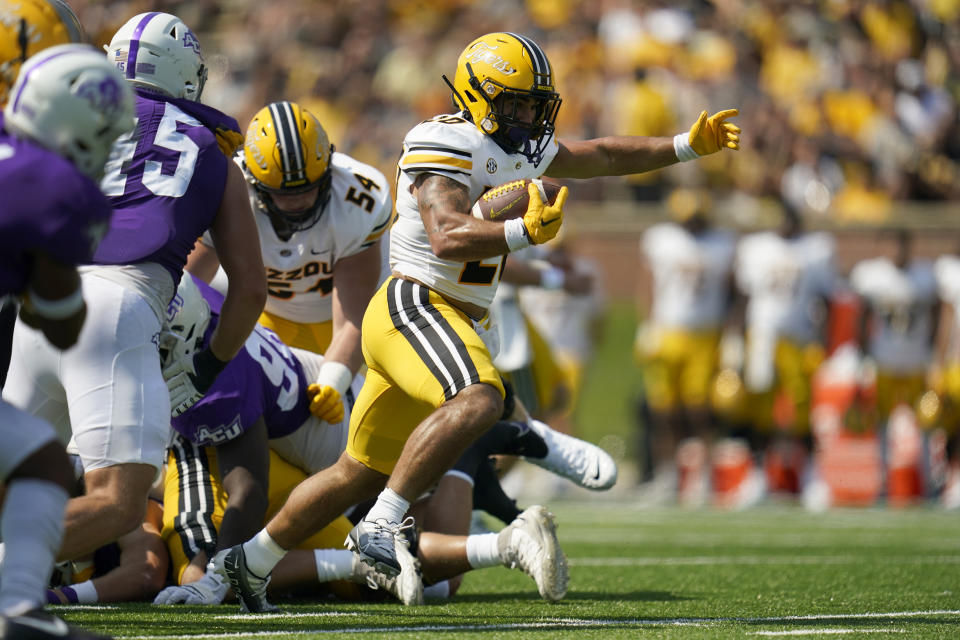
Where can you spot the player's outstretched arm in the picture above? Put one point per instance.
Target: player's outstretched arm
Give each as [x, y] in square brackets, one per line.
[624, 155]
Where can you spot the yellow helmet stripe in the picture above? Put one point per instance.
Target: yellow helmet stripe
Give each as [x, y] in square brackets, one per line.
[288, 139]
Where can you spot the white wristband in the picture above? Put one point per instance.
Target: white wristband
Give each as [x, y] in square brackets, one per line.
[515, 233]
[681, 146]
[336, 375]
[552, 278]
[56, 309]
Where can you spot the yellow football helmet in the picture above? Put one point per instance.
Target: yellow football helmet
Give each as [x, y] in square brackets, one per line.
[505, 82]
[287, 152]
[28, 26]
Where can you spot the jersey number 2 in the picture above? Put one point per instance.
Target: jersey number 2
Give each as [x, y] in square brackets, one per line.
[482, 273]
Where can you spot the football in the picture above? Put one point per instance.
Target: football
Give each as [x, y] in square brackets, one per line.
[510, 199]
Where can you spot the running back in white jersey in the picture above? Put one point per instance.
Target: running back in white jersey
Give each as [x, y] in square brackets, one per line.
[691, 275]
[782, 279]
[300, 271]
[902, 302]
[451, 146]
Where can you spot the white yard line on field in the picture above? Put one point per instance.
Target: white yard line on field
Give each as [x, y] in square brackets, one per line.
[555, 623]
[822, 632]
[755, 560]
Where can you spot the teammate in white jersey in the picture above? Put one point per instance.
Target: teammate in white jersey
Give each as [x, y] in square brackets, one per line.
[691, 267]
[431, 388]
[901, 309]
[787, 277]
[321, 217]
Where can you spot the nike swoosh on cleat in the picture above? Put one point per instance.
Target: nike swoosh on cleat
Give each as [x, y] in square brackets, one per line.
[54, 626]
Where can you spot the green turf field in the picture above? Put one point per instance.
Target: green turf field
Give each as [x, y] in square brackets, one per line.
[653, 573]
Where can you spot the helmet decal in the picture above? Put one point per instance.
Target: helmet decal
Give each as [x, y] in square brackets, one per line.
[131, 68]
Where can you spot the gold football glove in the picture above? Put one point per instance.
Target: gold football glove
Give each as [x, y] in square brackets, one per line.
[709, 135]
[542, 221]
[325, 403]
[228, 140]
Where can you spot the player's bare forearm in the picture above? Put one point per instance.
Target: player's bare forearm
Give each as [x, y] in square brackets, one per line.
[455, 234]
[611, 156]
[355, 281]
[203, 262]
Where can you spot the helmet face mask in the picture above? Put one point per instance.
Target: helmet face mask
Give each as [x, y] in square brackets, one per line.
[287, 153]
[71, 100]
[26, 28]
[505, 83]
[157, 51]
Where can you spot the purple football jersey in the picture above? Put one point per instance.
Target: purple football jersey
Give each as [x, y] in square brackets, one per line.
[165, 182]
[264, 379]
[47, 205]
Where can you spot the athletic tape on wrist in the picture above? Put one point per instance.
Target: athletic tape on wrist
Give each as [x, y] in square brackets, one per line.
[56, 309]
[516, 235]
[681, 146]
[336, 375]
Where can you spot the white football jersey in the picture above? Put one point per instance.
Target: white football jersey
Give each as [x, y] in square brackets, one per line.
[783, 278]
[451, 146]
[902, 303]
[947, 270]
[691, 275]
[300, 271]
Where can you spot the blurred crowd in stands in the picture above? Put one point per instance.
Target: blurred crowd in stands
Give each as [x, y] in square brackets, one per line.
[848, 106]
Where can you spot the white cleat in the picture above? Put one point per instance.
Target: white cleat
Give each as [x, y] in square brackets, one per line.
[530, 543]
[407, 586]
[583, 463]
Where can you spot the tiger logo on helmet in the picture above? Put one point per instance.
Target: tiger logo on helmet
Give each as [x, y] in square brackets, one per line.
[286, 151]
[505, 82]
[27, 27]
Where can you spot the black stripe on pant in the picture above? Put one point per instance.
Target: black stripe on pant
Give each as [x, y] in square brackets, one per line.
[194, 522]
[422, 324]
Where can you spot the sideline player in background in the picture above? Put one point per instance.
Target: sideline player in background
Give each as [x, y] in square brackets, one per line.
[691, 265]
[65, 111]
[431, 388]
[168, 182]
[788, 278]
[321, 217]
[901, 310]
[26, 27]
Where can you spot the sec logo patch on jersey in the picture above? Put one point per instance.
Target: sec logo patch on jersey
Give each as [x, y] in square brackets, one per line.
[510, 199]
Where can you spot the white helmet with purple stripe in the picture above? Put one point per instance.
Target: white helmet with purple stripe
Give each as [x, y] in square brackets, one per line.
[158, 51]
[188, 316]
[71, 100]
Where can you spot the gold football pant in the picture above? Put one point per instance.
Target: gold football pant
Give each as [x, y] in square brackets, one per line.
[420, 352]
[313, 337]
[194, 502]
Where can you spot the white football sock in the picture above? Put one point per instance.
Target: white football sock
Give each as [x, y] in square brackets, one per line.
[262, 553]
[334, 564]
[482, 550]
[32, 529]
[390, 506]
